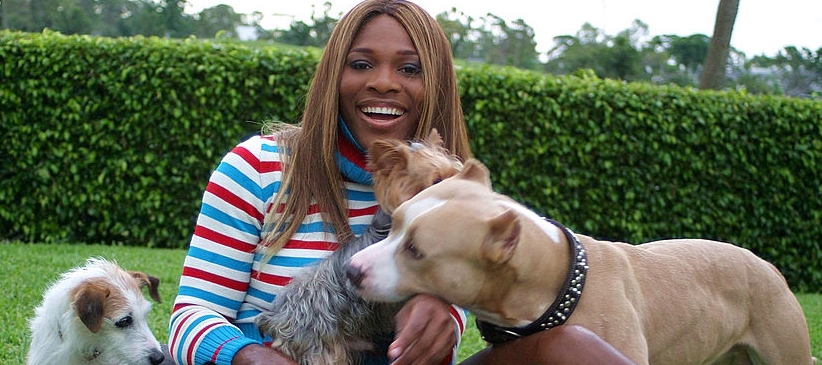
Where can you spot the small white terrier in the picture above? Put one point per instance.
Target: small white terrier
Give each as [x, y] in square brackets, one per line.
[95, 314]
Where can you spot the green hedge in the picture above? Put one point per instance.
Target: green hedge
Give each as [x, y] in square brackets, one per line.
[112, 141]
[636, 162]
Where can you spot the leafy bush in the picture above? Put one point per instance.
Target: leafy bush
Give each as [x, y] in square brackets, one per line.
[636, 162]
[112, 141]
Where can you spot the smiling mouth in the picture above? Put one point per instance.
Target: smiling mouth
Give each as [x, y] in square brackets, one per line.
[382, 112]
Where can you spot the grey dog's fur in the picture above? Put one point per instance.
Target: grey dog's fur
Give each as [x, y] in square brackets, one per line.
[319, 318]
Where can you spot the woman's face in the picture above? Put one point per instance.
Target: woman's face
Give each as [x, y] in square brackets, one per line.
[381, 87]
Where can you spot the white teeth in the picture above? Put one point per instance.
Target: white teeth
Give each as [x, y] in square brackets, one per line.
[381, 110]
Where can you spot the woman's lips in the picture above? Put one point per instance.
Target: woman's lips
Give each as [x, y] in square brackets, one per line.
[382, 116]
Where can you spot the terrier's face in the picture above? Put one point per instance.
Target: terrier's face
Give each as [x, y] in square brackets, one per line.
[401, 170]
[115, 315]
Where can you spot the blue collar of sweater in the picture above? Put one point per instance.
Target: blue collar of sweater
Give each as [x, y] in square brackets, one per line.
[351, 157]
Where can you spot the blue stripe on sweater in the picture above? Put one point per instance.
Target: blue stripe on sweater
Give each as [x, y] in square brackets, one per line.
[240, 178]
[359, 229]
[257, 293]
[222, 217]
[315, 227]
[272, 188]
[209, 296]
[217, 259]
[289, 261]
[356, 195]
[269, 147]
[193, 326]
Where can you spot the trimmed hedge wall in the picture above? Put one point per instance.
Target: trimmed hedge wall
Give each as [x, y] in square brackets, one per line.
[635, 162]
[112, 141]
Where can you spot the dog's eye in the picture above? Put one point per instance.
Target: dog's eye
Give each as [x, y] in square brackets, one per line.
[124, 322]
[436, 181]
[413, 252]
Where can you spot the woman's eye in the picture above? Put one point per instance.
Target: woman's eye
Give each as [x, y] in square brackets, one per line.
[359, 65]
[410, 69]
[124, 322]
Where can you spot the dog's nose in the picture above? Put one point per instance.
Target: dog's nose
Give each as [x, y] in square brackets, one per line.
[156, 357]
[354, 274]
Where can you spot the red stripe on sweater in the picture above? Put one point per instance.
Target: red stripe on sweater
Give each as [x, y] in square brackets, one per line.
[456, 316]
[363, 211]
[231, 198]
[196, 338]
[349, 151]
[215, 278]
[217, 351]
[182, 321]
[312, 209]
[270, 278]
[254, 162]
[214, 236]
[312, 245]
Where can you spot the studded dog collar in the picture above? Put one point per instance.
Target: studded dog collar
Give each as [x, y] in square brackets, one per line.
[563, 305]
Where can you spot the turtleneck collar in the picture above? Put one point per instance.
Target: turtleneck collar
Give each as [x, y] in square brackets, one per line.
[351, 157]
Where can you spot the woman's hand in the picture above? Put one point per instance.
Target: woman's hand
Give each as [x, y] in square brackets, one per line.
[261, 355]
[426, 332]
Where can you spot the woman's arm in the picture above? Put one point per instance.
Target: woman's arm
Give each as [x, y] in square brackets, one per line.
[563, 345]
[218, 265]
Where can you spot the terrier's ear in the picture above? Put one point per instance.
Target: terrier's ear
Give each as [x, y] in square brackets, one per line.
[386, 155]
[434, 138]
[151, 282]
[503, 237]
[89, 302]
[476, 171]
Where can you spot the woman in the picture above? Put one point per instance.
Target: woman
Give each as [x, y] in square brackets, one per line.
[387, 72]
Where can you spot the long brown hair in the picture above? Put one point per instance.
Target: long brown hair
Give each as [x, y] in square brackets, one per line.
[310, 170]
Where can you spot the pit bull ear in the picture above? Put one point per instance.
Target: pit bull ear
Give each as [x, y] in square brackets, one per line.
[147, 280]
[476, 171]
[434, 138]
[89, 301]
[504, 230]
[386, 155]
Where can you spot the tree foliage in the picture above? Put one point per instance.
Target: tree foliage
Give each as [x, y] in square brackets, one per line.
[490, 39]
[630, 55]
[799, 71]
[119, 18]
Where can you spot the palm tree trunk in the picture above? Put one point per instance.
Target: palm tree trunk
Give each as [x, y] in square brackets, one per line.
[713, 71]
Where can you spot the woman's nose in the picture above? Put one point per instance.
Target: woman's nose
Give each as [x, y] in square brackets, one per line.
[385, 80]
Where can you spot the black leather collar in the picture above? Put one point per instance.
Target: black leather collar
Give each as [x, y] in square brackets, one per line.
[563, 305]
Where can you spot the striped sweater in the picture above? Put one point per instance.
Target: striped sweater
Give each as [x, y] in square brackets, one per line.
[224, 285]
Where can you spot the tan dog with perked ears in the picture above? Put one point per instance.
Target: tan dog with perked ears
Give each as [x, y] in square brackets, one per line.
[685, 301]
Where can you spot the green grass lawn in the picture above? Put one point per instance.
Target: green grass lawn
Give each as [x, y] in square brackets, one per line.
[29, 269]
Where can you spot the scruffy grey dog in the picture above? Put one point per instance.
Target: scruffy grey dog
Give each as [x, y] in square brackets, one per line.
[320, 319]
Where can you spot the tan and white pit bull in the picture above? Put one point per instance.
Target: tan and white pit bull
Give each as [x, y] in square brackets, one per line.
[683, 301]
